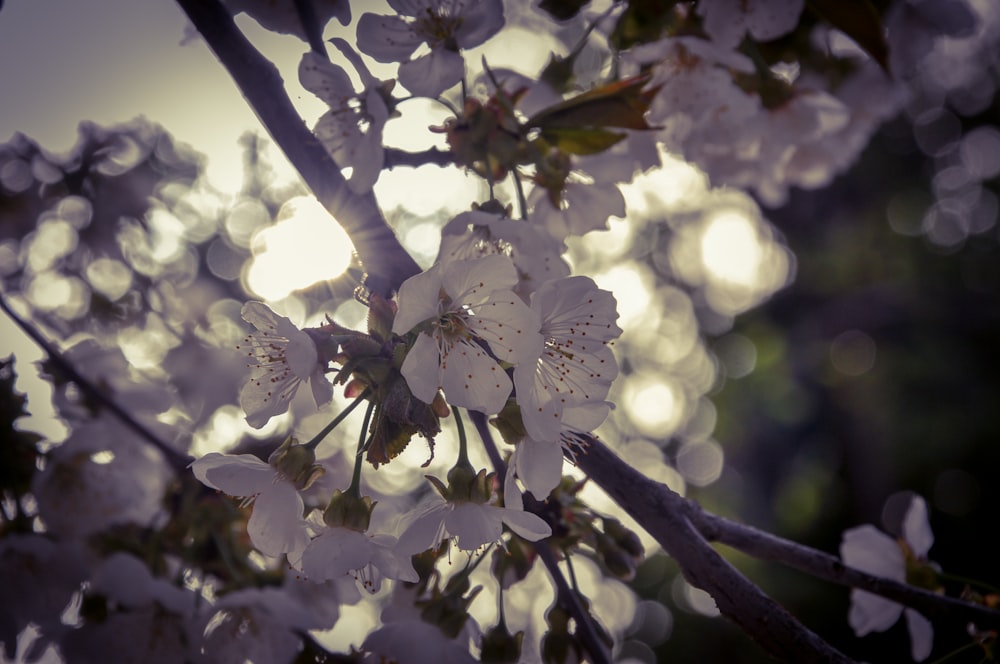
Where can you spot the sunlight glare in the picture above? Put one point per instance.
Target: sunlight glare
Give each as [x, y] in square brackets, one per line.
[305, 247]
[731, 249]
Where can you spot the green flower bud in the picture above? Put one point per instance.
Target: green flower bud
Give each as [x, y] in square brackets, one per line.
[348, 511]
[296, 463]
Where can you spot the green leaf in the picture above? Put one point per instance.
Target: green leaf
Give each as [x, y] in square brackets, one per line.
[619, 104]
[859, 20]
[582, 141]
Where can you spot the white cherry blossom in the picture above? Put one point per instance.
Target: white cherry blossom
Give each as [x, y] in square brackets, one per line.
[538, 462]
[351, 130]
[471, 525]
[535, 254]
[574, 365]
[457, 307]
[444, 25]
[276, 525]
[282, 358]
[397, 641]
[584, 207]
[338, 551]
[727, 21]
[870, 550]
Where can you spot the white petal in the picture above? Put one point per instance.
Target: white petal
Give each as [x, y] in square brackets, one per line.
[921, 635]
[325, 80]
[262, 317]
[301, 354]
[276, 525]
[422, 368]
[539, 465]
[526, 524]
[917, 528]
[474, 525]
[870, 550]
[472, 379]
[236, 475]
[871, 613]
[433, 73]
[508, 325]
[426, 529]
[335, 553]
[386, 38]
[470, 282]
[321, 388]
[481, 20]
[418, 300]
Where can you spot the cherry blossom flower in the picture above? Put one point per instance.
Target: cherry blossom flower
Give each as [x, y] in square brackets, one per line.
[282, 358]
[471, 524]
[338, 551]
[536, 255]
[396, 641]
[276, 525]
[584, 207]
[727, 21]
[870, 550]
[457, 307]
[444, 25]
[574, 365]
[351, 130]
[103, 474]
[538, 462]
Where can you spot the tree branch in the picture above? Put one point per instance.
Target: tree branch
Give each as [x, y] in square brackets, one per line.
[178, 461]
[664, 515]
[765, 546]
[395, 157]
[384, 258]
[585, 628]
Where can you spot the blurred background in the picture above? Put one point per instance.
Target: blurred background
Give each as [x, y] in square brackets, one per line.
[804, 369]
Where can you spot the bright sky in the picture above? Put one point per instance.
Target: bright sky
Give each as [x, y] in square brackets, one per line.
[111, 60]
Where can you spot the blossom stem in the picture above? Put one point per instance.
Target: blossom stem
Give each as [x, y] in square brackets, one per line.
[337, 420]
[522, 203]
[463, 443]
[355, 488]
[957, 578]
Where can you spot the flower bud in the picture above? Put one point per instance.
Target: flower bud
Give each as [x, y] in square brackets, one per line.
[349, 511]
[296, 463]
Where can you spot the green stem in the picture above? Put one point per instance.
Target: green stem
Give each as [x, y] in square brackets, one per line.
[463, 444]
[522, 202]
[572, 572]
[337, 420]
[955, 652]
[355, 488]
[967, 581]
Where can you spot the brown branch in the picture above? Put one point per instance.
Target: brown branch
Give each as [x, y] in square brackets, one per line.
[385, 260]
[587, 632]
[664, 515]
[765, 546]
[177, 460]
[395, 157]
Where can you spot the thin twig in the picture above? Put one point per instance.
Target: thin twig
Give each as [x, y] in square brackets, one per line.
[394, 157]
[585, 628]
[765, 546]
[179, 462]
[664, 515]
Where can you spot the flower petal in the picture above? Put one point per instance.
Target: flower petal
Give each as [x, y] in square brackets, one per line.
[921, 635]
[474, 525]
[233, 474]
[418, 299]
[871, 613]
[539, 465]
[526, 524]
[276, 525]
[422, 368]
[917, 528]
[870, 550]
[472, 379]
[387, 38]
[433, 73]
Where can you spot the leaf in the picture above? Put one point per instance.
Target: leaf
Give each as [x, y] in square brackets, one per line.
[860, 21]
[619, 104]
[582, 141]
